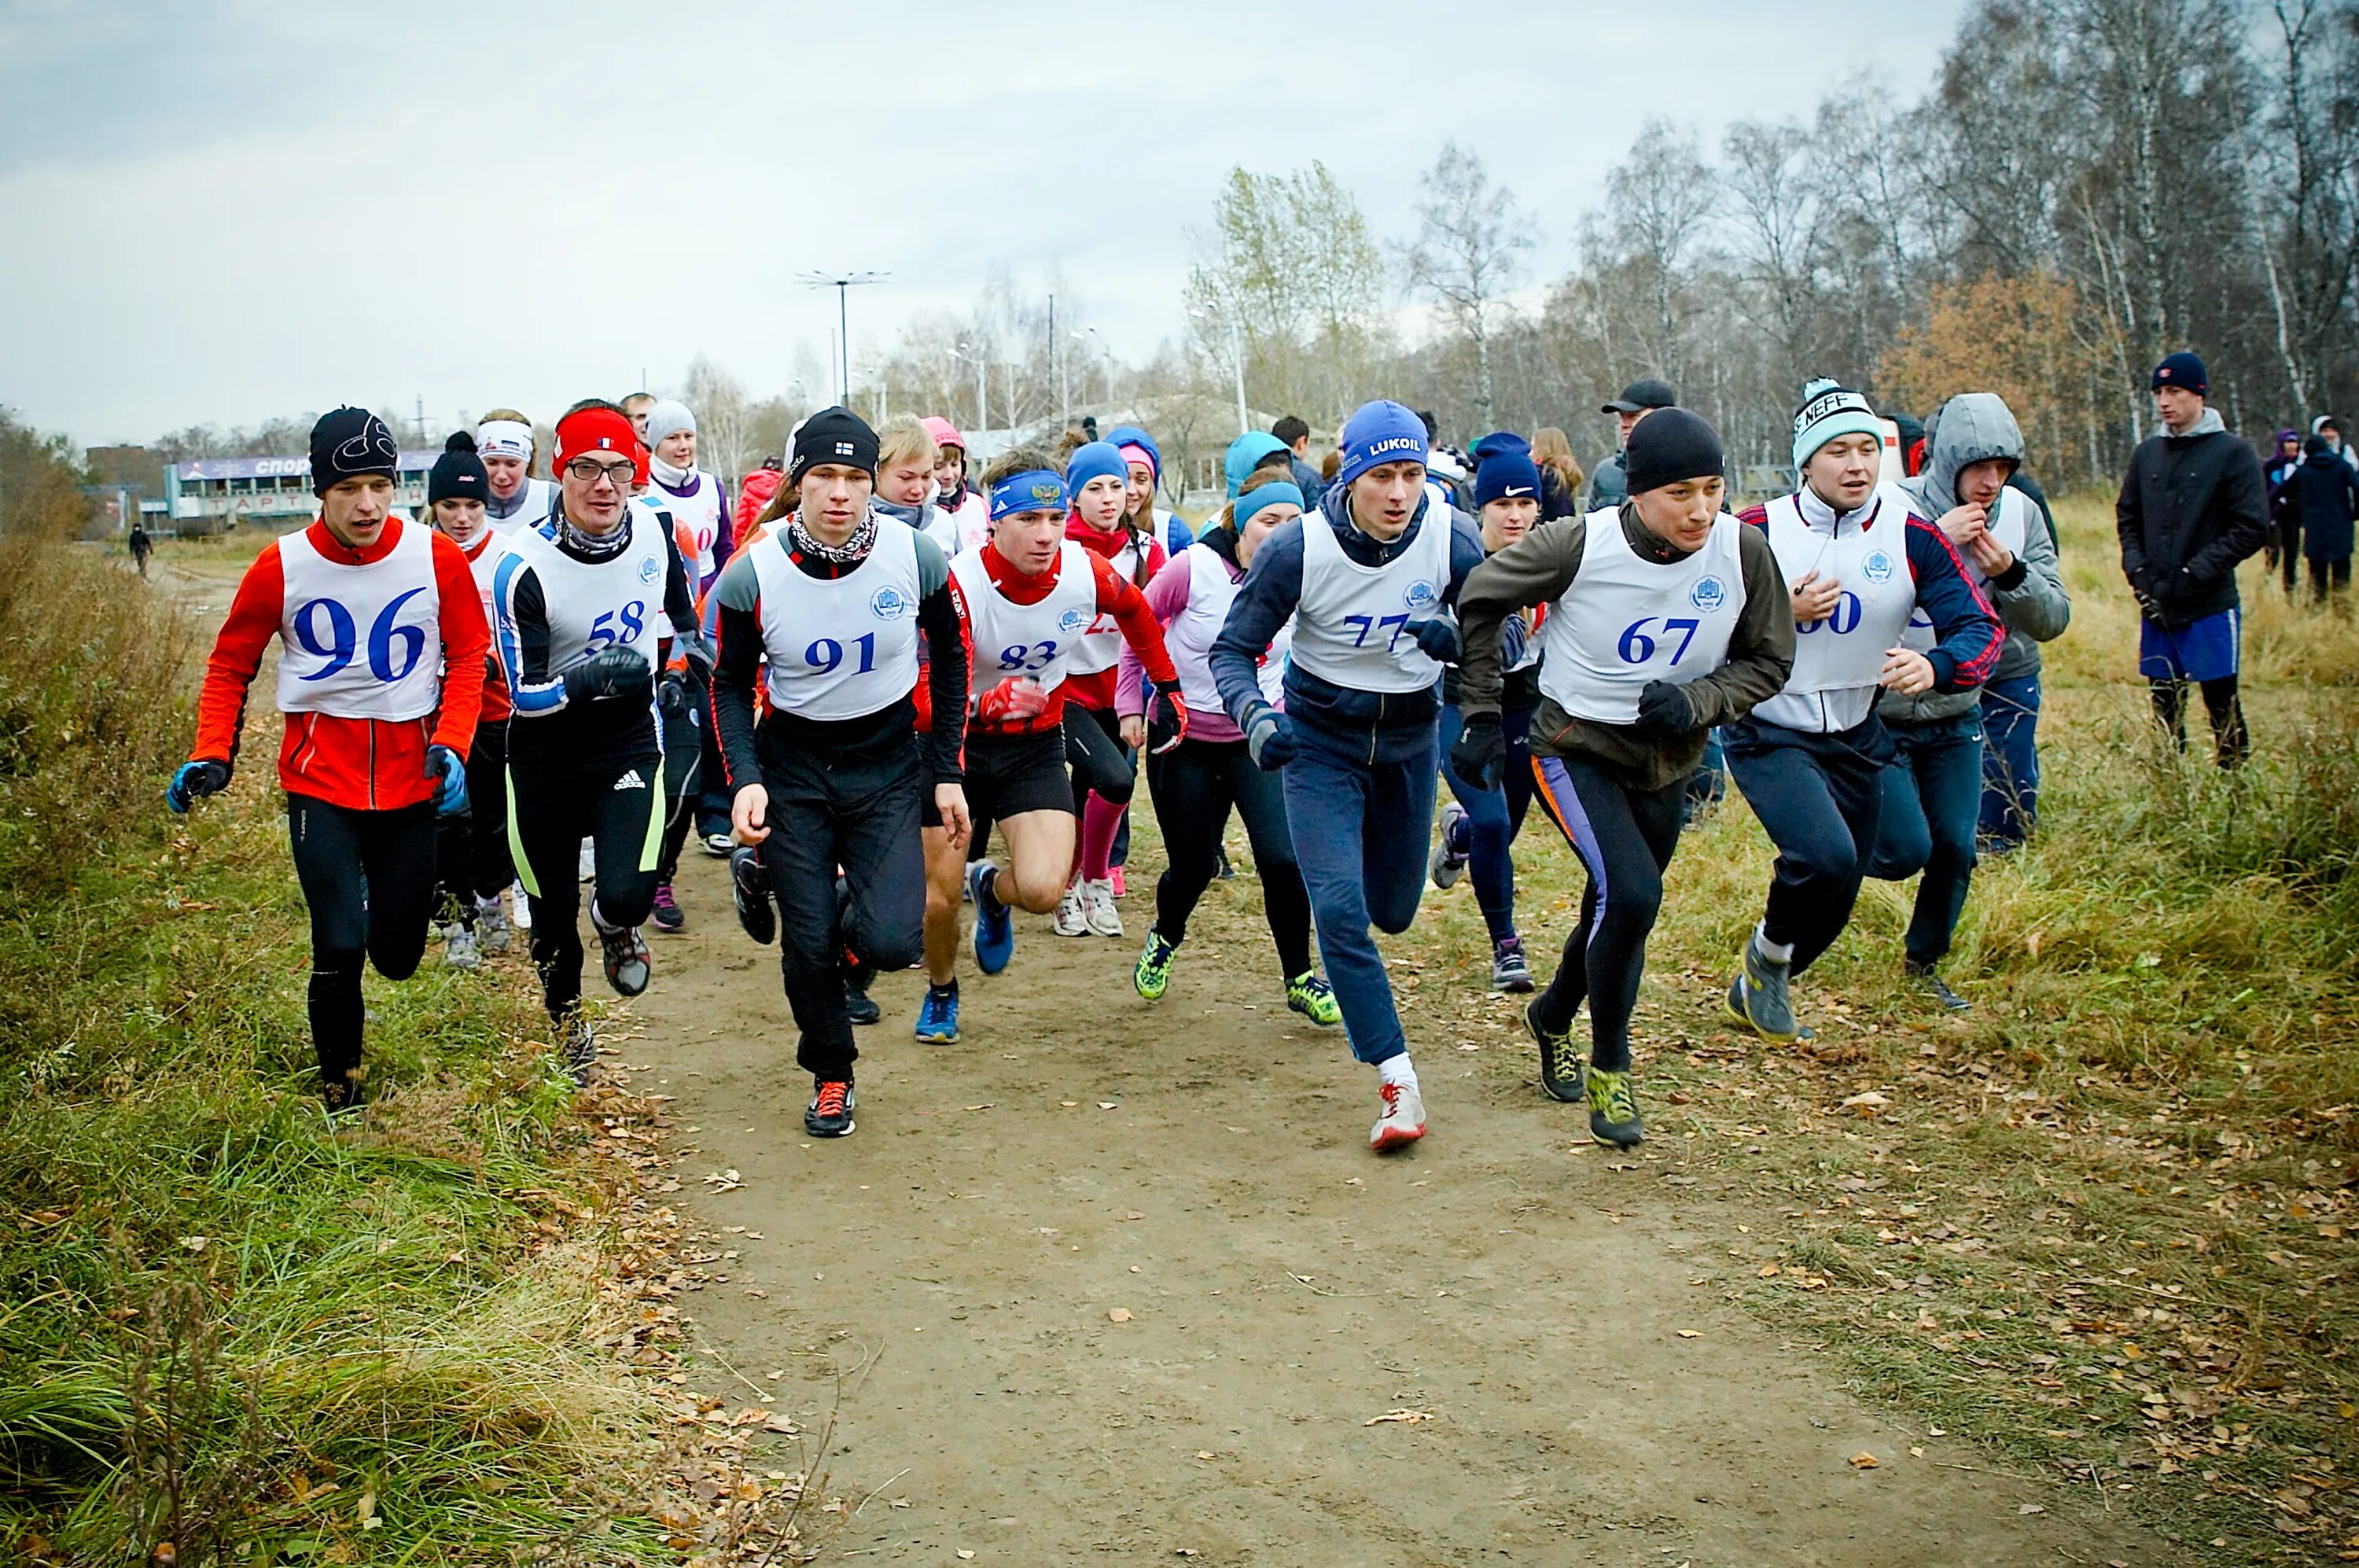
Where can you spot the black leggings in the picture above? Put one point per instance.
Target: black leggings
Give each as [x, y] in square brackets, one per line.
[1820, 799]
[2233, 741]
[368, 878]
[1101, 765]
[684, 777]
[473, 846]
[1193, 787]
[1624, 837]
[2324, 575]
[616, 802]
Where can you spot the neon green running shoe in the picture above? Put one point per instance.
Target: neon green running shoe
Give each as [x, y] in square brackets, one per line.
[1153, 975]
[1315, 999]
[1613, 1113]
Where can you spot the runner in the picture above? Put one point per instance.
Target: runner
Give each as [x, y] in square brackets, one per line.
[1029, 595]
[1665, 616]
[1811, 759]
[636, 407]
[1480, 826]
[826, 612]
[1933, 791]
[471, 845]
[380, 676]
[969, 515]
[698, 505]
[1144, 461]
[140, 545]
[577, 606]
[1368, 580]
[1195, 785]
[1101, 747]
[906, 462]
[754, 493]
[698, 501]
[504, 441]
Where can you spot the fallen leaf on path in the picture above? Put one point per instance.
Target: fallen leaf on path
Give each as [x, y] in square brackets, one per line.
[984, 1107]
[1399, 1418]
[1108, 1104]
[1690, 1333]
[2031, 1509]
[1203, 1453]
[723, 1181]
[1867, 1104]
[1119, 1314]
[1864, 1459]
[965, 1556]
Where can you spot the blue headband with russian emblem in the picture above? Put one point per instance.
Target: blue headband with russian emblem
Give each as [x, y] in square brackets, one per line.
[1034, 490]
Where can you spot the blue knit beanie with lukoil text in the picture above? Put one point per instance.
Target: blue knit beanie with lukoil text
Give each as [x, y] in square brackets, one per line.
[1377, 434]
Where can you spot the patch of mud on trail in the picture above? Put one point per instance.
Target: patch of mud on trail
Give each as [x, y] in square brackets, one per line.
[1115, 1280]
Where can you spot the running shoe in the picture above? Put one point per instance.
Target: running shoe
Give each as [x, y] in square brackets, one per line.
[577, 1046]
[1311, 996]
[1227, 873]
[1402, 1120]
[1450, 847]
[459, 948]
[341, 1093]
[1613, 1113]
[750, 890]
[1152, 974]
[858, 1004]
[1097, 907]
[521, 902]
[937, 1015]
[830, 1115]
[493, 932]
[1121, 883]
[1933, 986]
[718, 844]
[1073, 916]
[994, 926]
[1561, 1065]
[1509, 969]
[1758, 996]
[629, 964]
[668, 916]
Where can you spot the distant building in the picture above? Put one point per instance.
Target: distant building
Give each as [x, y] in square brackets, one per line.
[217, 493]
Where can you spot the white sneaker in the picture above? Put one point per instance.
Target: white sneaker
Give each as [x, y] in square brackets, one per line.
[589, 860]
[1098, 907]
[492, 927]
[1072, 915]
[459, 949]
[1403, 1120]
[520, 908]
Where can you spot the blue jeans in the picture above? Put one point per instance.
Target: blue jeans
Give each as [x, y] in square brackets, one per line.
[1931, 794]
[1361, 835]
[1494, 818]
[2010, 760]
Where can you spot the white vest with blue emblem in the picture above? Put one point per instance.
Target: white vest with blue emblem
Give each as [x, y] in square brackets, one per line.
[1628, 621]
[1036, 640]
[1837, 661]
[1350, 626]
[846, 648]
[593, 606]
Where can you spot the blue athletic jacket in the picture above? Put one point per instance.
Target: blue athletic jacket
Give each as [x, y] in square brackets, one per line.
[1376, 726]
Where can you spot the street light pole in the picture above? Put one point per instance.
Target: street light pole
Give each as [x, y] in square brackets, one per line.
[843, 283]
[1238, 357]
[982, 386]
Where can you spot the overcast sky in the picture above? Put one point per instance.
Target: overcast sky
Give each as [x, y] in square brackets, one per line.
[219, 212]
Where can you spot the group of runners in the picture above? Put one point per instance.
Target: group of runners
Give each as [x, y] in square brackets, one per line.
[902, 703]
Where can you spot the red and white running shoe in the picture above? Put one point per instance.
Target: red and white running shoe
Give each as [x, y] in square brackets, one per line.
[1403, 1121]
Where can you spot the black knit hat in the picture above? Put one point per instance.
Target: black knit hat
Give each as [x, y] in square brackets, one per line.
[832, 435]
[459, 474]
[348, 443]
[1669, 445]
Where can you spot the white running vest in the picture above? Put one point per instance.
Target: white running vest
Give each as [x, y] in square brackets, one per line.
[1350, 624]
[1190, 636]
[844, 648]
[2008, 525]
[484, 562]
[595, 606]
[539, 501]
[964, 526]
[1013, 640]
[361, 642]
[1628, 621]
[1837, 661]
[1101, 645]
[696, 521]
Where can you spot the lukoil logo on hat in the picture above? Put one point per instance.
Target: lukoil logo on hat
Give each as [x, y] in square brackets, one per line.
[1707, 594]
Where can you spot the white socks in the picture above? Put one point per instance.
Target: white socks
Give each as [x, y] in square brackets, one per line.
[490, 905]
[1398, 1070]
[1774, 952]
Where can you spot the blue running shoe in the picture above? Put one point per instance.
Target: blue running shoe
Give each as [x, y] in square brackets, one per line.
[938, 1018]
[994, 927]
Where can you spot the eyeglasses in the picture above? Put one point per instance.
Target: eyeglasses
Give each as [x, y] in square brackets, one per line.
[588, 471]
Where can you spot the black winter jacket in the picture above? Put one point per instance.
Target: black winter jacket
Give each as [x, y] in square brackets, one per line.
[2191, 507]
[2324, 493]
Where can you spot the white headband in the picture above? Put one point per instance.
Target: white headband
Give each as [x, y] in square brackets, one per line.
[503, 438]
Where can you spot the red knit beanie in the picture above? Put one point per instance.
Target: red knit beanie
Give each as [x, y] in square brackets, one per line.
[599, 429]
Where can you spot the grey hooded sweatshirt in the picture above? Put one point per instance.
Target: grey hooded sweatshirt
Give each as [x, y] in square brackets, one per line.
[2030, 595]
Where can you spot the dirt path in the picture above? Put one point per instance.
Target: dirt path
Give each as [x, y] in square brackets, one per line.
[945, 1281]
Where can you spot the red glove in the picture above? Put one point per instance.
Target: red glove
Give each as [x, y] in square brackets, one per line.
[1167, 719]
[1014, 699]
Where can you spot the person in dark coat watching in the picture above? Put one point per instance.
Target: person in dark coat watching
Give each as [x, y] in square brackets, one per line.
[2284, 547]
[2192, 505]
[2316, 504]
[1295, 432]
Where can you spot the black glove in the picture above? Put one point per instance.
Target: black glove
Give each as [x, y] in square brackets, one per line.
[1480, 758]
[1664, 710]
[192, 781]
[1437, 636]
[674, 699]
[614, 672]
[1167, 720]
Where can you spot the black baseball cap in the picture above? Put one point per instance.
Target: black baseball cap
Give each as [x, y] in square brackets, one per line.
[1643, 395]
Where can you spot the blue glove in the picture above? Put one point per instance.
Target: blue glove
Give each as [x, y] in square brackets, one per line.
[191, 782]
[443, 763]
[1269, 740]
[1437, 636]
